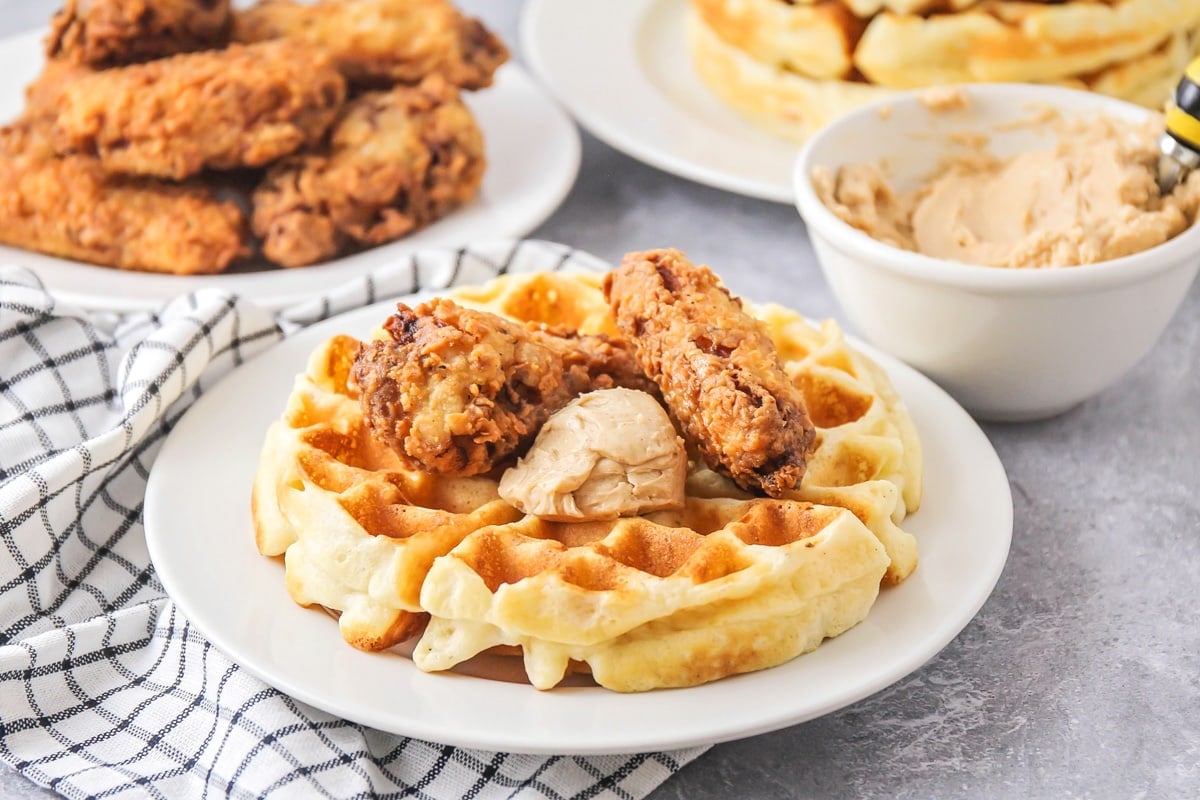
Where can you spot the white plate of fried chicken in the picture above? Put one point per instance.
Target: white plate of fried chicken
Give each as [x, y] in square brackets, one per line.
[273, 151]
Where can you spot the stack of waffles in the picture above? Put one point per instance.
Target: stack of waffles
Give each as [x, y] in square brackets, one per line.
[728, 584]
[792, 65]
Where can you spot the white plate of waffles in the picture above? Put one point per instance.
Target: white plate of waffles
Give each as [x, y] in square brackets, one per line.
[623, 71]
[530, 170]
[202, 538]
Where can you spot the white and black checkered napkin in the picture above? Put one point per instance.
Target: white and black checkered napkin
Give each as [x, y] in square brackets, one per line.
[105, 689]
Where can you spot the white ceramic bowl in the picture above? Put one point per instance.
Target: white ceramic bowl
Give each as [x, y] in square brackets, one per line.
[1009, 344]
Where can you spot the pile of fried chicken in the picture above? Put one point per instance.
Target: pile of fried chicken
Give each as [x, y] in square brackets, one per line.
[156, 123]
[454, 391]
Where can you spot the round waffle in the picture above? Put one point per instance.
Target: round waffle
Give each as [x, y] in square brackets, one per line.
[792, 105]
[728, 584]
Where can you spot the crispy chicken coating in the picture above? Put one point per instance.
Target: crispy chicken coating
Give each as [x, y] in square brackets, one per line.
[718, 369]
[109, 33]
[70, 207]
[395, 161]
[457, 391]
[377, 43]
[220, 109]
[44, 96]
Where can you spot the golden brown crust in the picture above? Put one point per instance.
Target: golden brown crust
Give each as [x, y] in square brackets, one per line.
[717, 368]
[382, 42]
[456, 391]
[70, 207]
[238, 107]
[108, 33]
[395, 162]
[44, 96]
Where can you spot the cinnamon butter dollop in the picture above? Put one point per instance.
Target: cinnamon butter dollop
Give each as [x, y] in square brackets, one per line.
[607, 454]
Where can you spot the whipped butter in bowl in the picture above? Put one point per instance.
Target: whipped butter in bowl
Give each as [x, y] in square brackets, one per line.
[1007, 239]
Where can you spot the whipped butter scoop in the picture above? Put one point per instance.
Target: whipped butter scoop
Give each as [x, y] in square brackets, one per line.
[607, 454]
[1091, 197]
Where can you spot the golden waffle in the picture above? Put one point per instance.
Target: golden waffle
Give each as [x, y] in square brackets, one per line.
[868, 8]
[815, 38]
[788, 104]
[811, 39]
[1016, 41]
[729, 584]
[792, 106]
[1146, 80]
[914, 43]
[672, 599]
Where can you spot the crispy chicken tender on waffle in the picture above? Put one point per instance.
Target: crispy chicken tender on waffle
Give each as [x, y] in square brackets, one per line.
[395, 161]
[456, 391]
[717, 369]
[729, 583]
[242, 106]
[107, 33]
[381, 42]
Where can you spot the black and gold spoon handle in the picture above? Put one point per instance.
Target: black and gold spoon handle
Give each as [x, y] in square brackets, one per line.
[1180, 144]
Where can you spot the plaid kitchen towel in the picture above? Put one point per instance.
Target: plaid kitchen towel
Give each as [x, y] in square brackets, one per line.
[105, 689]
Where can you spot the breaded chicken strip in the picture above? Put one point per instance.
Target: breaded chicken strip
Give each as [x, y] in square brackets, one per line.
[395, 162]
[718, 369]
[456, 391]
[220, 109]
[44, 96]
[109, 33]
[70, 207]
[377, 43]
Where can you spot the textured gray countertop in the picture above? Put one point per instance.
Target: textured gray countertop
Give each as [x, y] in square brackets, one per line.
[1080, 677]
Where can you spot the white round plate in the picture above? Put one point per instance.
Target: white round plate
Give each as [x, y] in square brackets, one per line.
[624, 71]
[199, 532]
[533, 153]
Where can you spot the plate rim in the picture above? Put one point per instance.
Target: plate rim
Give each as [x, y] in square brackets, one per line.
[518, 739]
[548, 195]
[625, 17]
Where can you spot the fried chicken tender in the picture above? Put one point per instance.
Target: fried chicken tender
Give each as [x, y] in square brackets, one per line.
[717, 368]
[44, 96]
[109, 33]
[377, 43]
[395, 161]
[71, 207]
[457, 391]
[221, 109]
